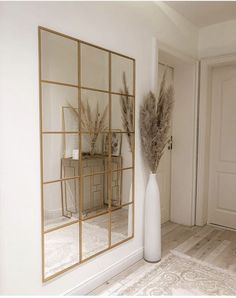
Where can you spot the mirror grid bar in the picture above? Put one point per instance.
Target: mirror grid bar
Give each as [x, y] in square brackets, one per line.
[133, 151]
[41, 155]
[109, 158]
[80, 157]
[86, 175]
[107, 211]
[84, 88]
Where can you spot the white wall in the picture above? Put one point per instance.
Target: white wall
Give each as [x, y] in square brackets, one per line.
[183, 153]
[124, 27]
[218, 39]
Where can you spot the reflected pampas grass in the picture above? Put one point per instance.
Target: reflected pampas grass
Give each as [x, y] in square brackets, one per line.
[93, 124]
[127, 110]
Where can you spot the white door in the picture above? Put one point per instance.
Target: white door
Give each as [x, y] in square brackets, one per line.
[164, 168]
[222, 174]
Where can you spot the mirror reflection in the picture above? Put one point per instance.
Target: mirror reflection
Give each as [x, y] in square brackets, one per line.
[122, 187]
[95, 235]
[61, 204]
[122, 117]
[87, 141]
[59, 58]
[121, 224]
[122, 66]
[57, 149]
[94, 67]
[56, 105]
[61, 249]
[94, 111]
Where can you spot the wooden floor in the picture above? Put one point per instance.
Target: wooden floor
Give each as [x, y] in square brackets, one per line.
[215, 246]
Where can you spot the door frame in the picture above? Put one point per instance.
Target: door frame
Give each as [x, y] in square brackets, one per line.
[157, 46]
[204, 127]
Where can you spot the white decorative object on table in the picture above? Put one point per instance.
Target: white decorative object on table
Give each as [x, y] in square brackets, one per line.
[155, 119]
[75, 154]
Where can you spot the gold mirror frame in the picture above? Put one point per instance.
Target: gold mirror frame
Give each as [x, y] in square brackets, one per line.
[80, 177]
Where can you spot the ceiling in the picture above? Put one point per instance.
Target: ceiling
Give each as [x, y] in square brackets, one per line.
[205, 13]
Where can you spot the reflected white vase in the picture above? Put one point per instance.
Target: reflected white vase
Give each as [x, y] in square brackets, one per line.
[152, 221]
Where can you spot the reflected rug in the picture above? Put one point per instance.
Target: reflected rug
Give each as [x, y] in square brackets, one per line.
[175, 275]
[62, 246]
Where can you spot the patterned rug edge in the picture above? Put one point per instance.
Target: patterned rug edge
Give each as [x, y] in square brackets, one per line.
[203, 263]
[134, 288]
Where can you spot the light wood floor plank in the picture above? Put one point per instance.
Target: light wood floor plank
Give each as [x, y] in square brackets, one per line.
[195, 239]
[200, 247]
[168, 227]
[217, 251]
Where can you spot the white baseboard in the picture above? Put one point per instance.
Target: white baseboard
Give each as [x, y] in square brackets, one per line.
[98, 279]
[221, 227]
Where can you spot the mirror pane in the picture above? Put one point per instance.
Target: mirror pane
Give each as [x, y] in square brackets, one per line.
[59, 151]
[94, 158]
[122, 187]
[61, 249]
[57, 108]
[95, 235]
[122, 113]
[121, 149]
[119, 66]
[59, 58]
[116, 188]
[95, 111]
[121, 224]
[94, 67]
[61, 203]
[95, 194]
[93, 147]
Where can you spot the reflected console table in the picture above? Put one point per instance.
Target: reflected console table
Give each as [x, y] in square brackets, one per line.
[95, 186]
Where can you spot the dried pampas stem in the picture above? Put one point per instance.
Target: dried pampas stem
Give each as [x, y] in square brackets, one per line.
[127, 109]
[155, 120]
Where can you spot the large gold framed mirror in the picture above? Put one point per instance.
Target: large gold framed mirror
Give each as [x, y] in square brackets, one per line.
[87, 131]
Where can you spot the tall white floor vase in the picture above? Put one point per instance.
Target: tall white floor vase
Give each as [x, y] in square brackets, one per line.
[152, 221]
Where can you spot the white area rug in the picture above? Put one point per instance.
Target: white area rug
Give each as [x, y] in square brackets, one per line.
[176, 275]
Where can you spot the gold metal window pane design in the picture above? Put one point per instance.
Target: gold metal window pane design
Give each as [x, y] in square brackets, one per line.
[121, 65]
[118, 106]
[83, 164]
[59, 155]
[121, 224]
[57, 103]
[59, 59]
[95, 235]
[94, 67]
[61, 249]
[61, 203]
